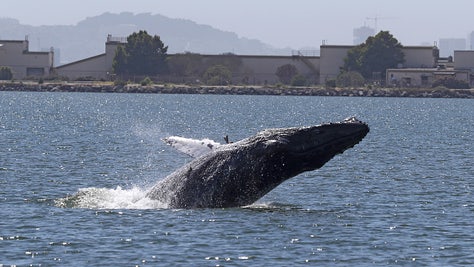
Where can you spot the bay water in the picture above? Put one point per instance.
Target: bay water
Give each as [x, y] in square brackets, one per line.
[75, 168]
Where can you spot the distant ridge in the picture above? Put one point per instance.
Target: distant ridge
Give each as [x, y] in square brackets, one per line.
[87, 38]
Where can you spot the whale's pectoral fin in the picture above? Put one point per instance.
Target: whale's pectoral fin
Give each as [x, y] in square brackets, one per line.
[192, 147]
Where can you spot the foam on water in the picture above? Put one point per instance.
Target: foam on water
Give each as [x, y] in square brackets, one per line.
[135, 197]
[106, 198]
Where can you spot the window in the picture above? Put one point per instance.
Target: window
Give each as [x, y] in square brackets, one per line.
[34, 72]
[424, 80]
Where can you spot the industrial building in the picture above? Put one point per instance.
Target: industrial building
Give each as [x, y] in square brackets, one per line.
[255, 69]
[96, 67]
[421, 68]
[460, 67]
[23, 62]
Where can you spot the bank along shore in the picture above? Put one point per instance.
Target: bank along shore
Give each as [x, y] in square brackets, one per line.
[103, 87]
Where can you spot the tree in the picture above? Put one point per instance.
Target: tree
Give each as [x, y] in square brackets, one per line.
[352, 62]
[375, 56]
[217, 75]
[5, 73]
[119, 65]
[286, 73]
[187, 64]
[143, 54]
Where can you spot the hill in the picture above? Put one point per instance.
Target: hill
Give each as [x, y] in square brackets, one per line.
[87, 38]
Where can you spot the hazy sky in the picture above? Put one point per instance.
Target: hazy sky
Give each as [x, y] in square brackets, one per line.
[281, 23]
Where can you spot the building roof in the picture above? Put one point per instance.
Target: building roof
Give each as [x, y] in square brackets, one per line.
[338, 46]
[37, 52]
[403, 46]
[13, 41]
[80, 61]
[413, 70]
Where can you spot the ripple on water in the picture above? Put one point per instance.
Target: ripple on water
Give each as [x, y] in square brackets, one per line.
[403, 196]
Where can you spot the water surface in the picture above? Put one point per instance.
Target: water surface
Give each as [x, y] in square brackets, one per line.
[403, 196]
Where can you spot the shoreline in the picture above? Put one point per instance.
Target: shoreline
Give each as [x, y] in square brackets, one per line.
[104, 87]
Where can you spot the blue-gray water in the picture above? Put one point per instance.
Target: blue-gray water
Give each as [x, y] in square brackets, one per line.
[403, 196]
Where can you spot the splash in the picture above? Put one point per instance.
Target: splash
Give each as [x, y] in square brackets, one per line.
[124, 198]
[105, 198]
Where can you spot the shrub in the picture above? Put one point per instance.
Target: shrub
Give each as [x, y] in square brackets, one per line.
[286, 73]
[298, 80]
[86, 78]
[120, 83]
[331, 83]
[350, 79]
[5, 73]
[217, 75]
[146, 81]
[451, 83]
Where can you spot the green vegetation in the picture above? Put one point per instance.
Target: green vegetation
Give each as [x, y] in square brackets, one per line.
[119, 65]
[286, 73]
[5, 73]
[120, 83]
[216, 70]
[330, 83]
[143, 54]
[298, 80]
[350, 79]
[186, 65]
[146, 81]
[144, 59]
[217, 75]
[375, 56]
[451, 83]
[231, 61]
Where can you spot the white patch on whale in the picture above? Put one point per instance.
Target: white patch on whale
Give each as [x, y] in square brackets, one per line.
[192, 147]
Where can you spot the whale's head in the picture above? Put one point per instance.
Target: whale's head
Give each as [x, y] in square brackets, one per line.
[291, 151]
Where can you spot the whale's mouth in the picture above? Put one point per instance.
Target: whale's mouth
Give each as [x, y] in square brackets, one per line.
[335, 136]
[314, 146]
[335, 146]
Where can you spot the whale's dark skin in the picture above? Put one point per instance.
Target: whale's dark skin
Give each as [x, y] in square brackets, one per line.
[240, 173]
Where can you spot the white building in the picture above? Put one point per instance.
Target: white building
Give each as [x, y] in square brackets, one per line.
[23, 62]
[462, 68]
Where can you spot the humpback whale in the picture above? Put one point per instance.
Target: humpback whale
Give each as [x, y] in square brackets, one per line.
[238, 174]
